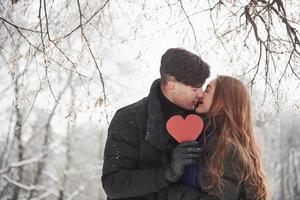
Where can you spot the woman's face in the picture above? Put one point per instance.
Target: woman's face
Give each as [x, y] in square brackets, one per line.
[208, 94]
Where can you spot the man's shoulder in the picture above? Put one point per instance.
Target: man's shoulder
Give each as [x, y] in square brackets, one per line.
[130, 119]
[134, 108]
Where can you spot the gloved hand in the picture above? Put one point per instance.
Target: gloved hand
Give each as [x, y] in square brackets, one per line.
[184, 154]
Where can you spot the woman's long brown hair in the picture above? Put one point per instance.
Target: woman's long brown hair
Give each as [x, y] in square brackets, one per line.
[232, 104]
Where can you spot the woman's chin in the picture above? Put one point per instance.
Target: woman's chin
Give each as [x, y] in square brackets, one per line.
[199, 109]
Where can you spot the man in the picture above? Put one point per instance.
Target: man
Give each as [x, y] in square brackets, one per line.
[141, 160]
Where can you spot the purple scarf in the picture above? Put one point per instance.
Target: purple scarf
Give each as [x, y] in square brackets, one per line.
[191, 175]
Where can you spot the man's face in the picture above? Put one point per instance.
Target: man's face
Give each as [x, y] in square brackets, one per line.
[186, 96]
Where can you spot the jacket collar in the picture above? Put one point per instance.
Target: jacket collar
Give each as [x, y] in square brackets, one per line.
[156, 133]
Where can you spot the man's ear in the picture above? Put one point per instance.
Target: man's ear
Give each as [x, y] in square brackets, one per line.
[171, 85]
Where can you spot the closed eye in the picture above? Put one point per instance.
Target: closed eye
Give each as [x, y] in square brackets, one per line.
[207, 88]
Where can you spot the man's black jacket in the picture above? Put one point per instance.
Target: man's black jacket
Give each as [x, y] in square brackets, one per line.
[137, 152]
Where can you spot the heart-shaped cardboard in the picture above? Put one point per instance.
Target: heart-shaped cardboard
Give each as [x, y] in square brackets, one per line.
[187, 129]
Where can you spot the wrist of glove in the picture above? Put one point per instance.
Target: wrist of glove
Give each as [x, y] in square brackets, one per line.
[184, 154]
[171, 175]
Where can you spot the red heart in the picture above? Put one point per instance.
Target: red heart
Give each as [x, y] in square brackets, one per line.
[187, 129]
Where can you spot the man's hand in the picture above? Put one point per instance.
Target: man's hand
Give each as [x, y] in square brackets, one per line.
[184, 154]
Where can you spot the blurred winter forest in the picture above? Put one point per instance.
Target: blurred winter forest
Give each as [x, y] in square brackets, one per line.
[66, 66]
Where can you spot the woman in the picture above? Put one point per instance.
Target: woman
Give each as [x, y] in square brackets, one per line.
[230, 166]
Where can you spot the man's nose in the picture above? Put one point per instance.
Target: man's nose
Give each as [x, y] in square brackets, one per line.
[199, 93]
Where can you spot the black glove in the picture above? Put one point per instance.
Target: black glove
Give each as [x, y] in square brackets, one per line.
[184, 154]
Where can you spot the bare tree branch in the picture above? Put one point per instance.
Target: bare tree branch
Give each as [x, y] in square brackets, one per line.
[87, 21]
[22, 163]
[191, 25]
[94, 59]
[16, 26]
